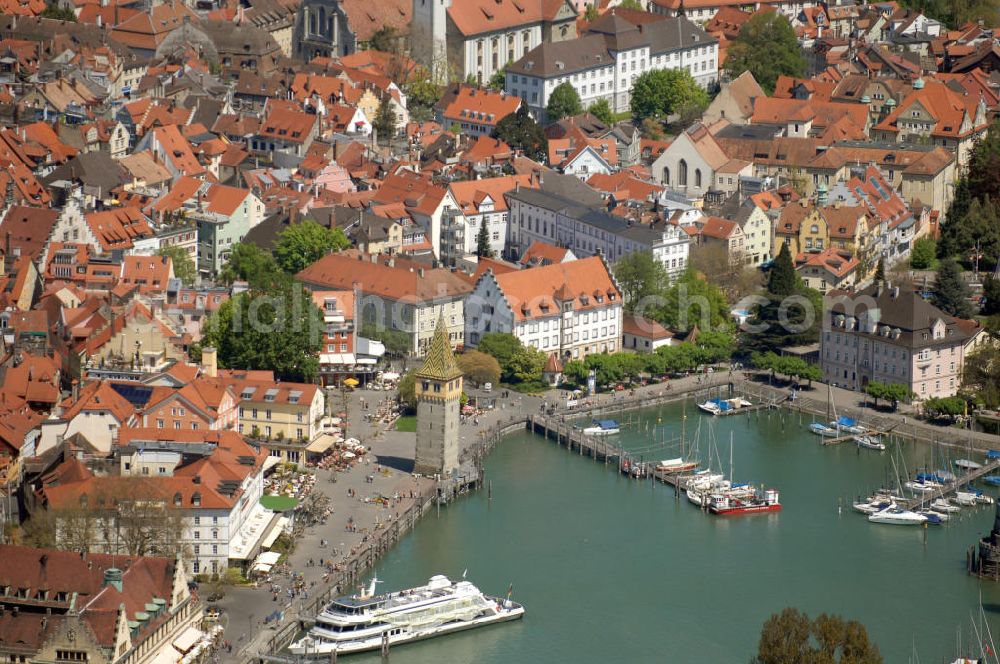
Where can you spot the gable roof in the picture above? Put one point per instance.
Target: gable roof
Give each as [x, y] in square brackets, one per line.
[539, 292]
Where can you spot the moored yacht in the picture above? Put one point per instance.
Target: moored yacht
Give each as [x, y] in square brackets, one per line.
[898, 517]
[364, 621]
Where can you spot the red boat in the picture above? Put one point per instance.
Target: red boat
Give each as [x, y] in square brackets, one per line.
[726, 505]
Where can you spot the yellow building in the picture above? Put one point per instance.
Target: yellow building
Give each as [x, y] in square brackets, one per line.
[273, 410]
[807, 228]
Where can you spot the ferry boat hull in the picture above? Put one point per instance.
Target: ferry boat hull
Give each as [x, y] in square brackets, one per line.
[366, 621]
[375, 643]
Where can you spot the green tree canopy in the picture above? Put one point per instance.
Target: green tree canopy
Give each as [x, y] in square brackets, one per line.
[640, 276]
[520, 131]
[479, 367]
[944, 407]
[483, 247]
[972, 225]
[300, 245]
[923, 255]
[279, 330]
[790, 637]
[406, 389]
[421, 95]
[59, 13]
[951, 293]
[692, 301]
[782, 278]
[981, 373]
[892, 392]
[385, 121]
[575, 371]
[383, 39]
[601, 109]
[250, 263]
[180, 258]
[563, 102]
[526, 365]
[991, 293]
[499, 79]
[397, 343]
[766, 47]
[661, 92]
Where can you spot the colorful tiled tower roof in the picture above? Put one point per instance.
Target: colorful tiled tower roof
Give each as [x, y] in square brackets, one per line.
[440, 363]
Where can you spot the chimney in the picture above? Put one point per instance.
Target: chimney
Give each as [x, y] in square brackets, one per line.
[210, 361]
[113, 577]
[76, 390]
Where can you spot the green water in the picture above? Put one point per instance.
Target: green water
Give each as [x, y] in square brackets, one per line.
[616, 570]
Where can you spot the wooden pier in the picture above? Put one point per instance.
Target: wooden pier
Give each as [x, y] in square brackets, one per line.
[596, 447]
[930, 496]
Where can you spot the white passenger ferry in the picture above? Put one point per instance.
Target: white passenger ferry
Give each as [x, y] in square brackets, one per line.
[362, 622]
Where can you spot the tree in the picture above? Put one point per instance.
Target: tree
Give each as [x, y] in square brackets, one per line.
[526, 365]
[713, 347]
[981, 373]
[479, 367]
[767, 47]
[563, 102]
[59, 13]
[250, 263]
[991, 295]
[515, 365]
[396, 342]
[385, 120]
[520, 131]
[635, 5]
[790, 637]
[279, 330]
[483, 247]
[300, 245]
[591, 13]
[406, 391]
[891, 392]
[692, 301]
[575, 372]
[791, 312]
[782, 279]
[601, 109]
[923, 255]
[499, 79]
[880, 270]
[734, 277]
[421, 95]
[661, 92]
[641, 277]
[971, 226]
[944, 407]
[180, 258]
[383, 39]
[950, 293]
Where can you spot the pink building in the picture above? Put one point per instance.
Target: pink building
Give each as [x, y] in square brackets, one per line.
[892, 335]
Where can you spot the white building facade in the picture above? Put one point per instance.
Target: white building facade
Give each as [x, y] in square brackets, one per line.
[604, 63]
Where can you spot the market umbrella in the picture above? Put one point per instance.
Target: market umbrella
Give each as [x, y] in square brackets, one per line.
[352, 382]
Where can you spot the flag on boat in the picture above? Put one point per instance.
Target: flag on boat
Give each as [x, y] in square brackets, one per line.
[510, 591]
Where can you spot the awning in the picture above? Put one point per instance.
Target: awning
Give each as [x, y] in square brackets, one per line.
[321, 444]
[276, 529]
[167, 655]
[336, 358]
[188, 639]
[268, 558]
[270, 462]
[263, 568]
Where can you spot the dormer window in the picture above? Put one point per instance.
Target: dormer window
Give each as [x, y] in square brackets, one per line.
[196, 499]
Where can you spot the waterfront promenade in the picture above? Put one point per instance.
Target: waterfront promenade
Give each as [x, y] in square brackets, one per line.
[375, 528]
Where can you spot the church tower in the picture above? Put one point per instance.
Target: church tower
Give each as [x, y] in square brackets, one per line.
[439, 390]
[428, 35]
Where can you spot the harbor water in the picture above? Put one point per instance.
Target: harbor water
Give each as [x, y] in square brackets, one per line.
[618, 570]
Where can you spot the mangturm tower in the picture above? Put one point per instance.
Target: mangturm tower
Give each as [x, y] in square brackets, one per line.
[439, 390]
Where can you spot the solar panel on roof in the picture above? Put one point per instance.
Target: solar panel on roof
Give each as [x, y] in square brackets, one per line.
[137, 395]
